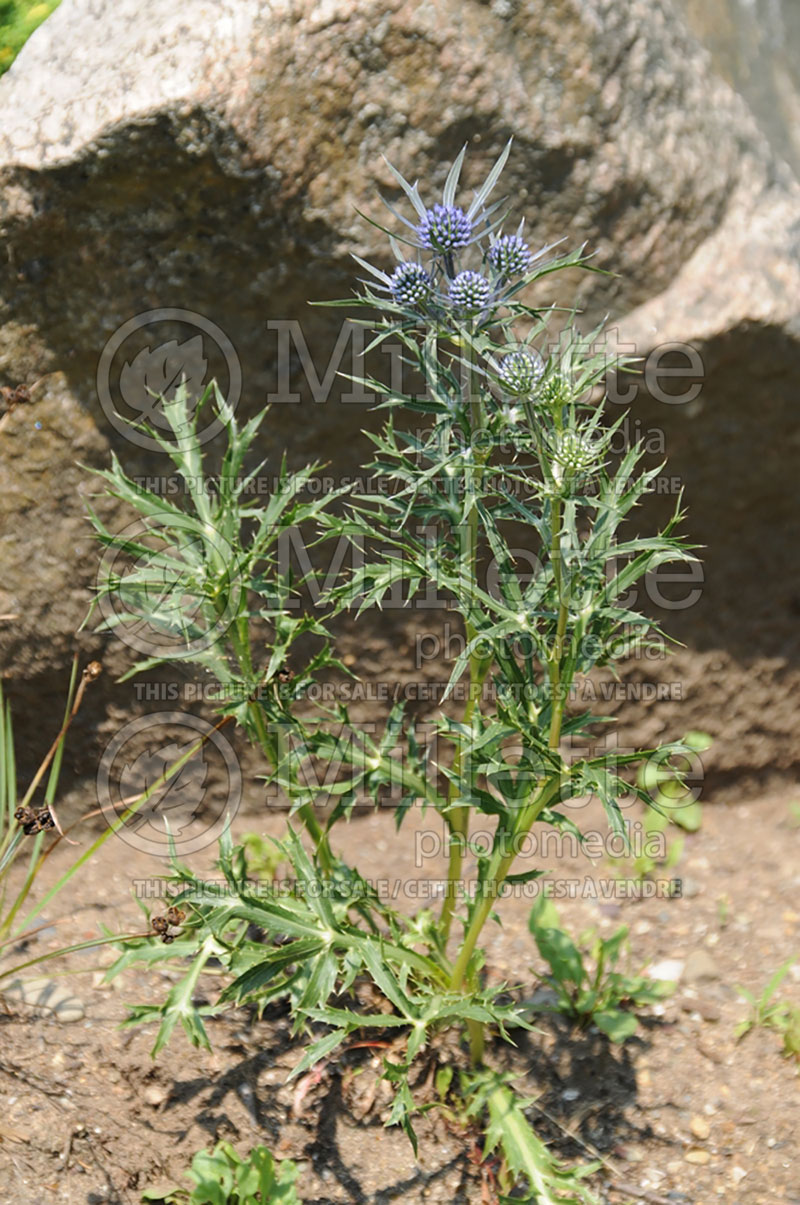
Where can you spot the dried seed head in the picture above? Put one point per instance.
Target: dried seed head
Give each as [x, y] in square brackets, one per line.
[14, 396]
[45, 820]
[27, 820]
[159, 923]
[93, 670]
[33, 822]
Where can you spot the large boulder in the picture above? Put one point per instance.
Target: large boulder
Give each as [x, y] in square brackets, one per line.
[212, 157]
[736, 450]
[754, 46]
[176, 179]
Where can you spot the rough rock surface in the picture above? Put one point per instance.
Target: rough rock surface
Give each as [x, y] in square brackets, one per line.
[736, 448]
[753, 45]
[210, 158]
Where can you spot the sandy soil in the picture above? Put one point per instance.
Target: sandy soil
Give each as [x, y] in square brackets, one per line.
[681, 1113]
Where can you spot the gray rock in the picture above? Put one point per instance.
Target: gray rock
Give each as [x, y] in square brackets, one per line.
[735, 303]
[753, 45]
[210, 158]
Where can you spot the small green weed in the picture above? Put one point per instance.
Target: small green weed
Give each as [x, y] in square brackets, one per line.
[766, 1013]
[221, 1177]
[588, 987]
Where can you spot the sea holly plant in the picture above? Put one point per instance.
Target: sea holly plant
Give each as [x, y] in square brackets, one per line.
[189, 584]
[503, 459]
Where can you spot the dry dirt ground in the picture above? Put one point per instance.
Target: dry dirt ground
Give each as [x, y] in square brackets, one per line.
[681, 1113]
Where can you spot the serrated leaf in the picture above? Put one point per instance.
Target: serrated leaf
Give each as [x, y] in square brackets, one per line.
[318, 1050]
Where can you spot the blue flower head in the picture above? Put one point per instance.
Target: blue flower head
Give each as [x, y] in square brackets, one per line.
[521, 372]
[470, 292]
[411, 284]
[444, 228]
[510, 255]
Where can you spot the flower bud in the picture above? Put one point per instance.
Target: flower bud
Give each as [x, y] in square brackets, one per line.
[411, 284]
[520, 372]
[470, 292]
[444, 228]
[510, 255]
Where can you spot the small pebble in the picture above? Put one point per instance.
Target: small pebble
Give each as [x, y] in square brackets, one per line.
[668, 968]
[699, 966]
[696, 1154]
[701, 1009]
[738, 1174]
[700, 1128]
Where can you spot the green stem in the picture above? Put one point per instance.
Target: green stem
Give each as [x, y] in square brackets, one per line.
[502, 859]
[458, 817]
[240, 639]
[477, 1042]
[557, 698]
[93, 943]
[506, 843]
[306, 812]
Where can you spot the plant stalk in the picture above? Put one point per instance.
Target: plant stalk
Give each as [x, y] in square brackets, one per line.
[240, 639]
[458, 817]
[504, 853]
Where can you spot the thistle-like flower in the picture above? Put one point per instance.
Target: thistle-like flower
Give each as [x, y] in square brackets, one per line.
[555, 391]
[444, 229]
[470, 292]
[520, 372]
[510, 255]
[573, 454]
[411, 284]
